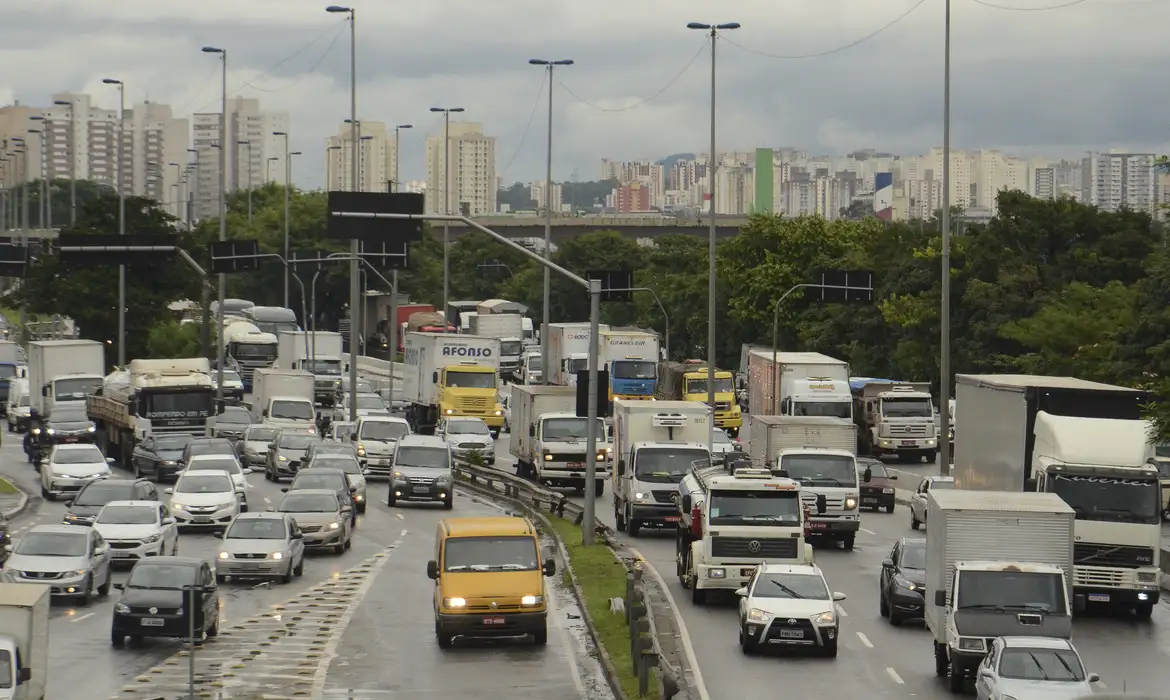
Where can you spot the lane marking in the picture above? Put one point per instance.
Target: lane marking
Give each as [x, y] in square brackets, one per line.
[895, 676]
[841, 611]
[82, 617]
[865, 640]
[869, 532]
[400, 516]
[267, 500]
[402, 534]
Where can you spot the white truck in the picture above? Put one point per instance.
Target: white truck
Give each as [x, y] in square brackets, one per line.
[996, 566]
[655, 443]
[631, 358]
[250, 347]
[798, 384]
[24, 641]
[1086, 443]
[283, 398]
[730, 522]
[509, 330]
[451, 374]
[326, 364]
[817, 453]
[568, 350]
[894, 418]
[63, 370]
[549, 439]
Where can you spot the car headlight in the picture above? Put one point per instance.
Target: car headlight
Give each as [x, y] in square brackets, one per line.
[224, 555]
[972, 644]
[168, 462]
[50, 431]
[282, 458]
[903, 583]
[36, 431]
[152, 539]
[532, 600]
[757, 615]
[445, 479]
[825, 618]
[359, 497]
[334, 526]
[361, 451]
[177, 506]
[121, 609]
[277, 555]
[454, 602]
[230, 504]
[850, 503]
[92, 429]
[78, 572]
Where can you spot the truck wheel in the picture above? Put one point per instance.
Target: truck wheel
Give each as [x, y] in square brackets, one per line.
[956, 680]
[598, 488]
[619, 519]
[848, 540]
[941, 664]
[931, 456]
[698, 595]
[1143, 611]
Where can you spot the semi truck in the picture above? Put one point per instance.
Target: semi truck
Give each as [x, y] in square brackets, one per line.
[798, 384]
[996, 566]
[549, 438]
[24, 640]
[63, 371]
[894, 418]
[1086, 443]
[568, 350]
[152, 397]
[272, 319]
[424, 322]
[283, 398]
[687, 381]
[818, 453]
[654, 446]
[447, 375]
[731, 522]
[250, 347]
[509, 330]
[631, 358]
[325, 364]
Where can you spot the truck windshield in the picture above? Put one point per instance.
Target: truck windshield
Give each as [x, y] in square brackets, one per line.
[7, 371]
[822, 470]
[634, 369]
[535, 363]
[699, 386]
[755, 508]
[75, 389]
[471, 380]
[907, 408]
[578, 365]
[511, 348]
[187, 404]
[330, 368]
[6, 674]
[253, 351]
[1111, 500]
[292, 410]
[569, 429]
[826, 409]
[1011, 590]
[276, 327]
[666, 465]
[489, 554]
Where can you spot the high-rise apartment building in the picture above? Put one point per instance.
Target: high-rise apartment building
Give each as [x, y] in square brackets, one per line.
[471, 162]
[1112, 181]
[537, 192]
[245, 164]
[375, 158]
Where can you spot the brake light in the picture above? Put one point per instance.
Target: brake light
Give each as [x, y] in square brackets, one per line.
[697, 521]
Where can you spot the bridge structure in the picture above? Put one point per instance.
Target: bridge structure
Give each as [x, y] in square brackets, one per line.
[565, 227]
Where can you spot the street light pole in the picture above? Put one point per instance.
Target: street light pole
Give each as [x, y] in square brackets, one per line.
[287, 177]
[46, 207]
[121, 217]
[550, 65]
[712, 162]
[397, 184]
[249, 145]
[446, 211]
[72, 161]
[944, 408]
[41, 204]
[219, 359]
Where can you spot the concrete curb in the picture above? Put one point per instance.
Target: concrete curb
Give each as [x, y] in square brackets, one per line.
[21, 504]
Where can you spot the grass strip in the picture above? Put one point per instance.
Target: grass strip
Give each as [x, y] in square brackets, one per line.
[601, 576]
[7, 487]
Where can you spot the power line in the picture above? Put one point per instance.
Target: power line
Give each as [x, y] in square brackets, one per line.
[1061, 6]
[670, 84]
[320, 60]
[524, 135]
[843, 47]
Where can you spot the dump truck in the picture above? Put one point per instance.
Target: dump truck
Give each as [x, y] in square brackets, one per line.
[894, 418]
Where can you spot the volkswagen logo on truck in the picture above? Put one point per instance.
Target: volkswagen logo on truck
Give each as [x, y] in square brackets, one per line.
[464, 351]
[754, 546]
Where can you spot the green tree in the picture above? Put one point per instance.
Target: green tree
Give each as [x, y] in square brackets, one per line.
[171, 339]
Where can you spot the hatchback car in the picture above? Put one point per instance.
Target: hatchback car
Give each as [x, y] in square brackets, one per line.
[903, 581]
[158, 455]
[376, 437]
[330, 448]
[467, 436]
[322, 478]
[788, 605]
[252, 448]
[226, 463]
[353, 472]
[264, 545]
[68, 424]
[422, 471]
[323, 517]
[232, 423]
[137, 529]
[156, 601]
[287, 452]
[84, 507]
[205, 500]
[1033, 667]
[69, 467]
[340, 431]
[73, 561]
[918, 499]
[877, 484]
[206, 446]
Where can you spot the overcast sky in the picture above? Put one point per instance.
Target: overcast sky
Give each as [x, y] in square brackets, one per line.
[1090, 75]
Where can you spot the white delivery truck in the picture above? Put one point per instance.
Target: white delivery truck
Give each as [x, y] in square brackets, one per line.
[631, 358]
[798, 384]
[24, 641]
[996, 566]
[326, 365]
[818, 453]
[509, 330]
[549, 439]
[64, 370]
[283, 398]
[655, 443]
[449, 375]
[1085, 442]
[568, 350]
[895, 418]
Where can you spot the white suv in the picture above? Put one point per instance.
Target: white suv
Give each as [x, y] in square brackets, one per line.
[376, 438]
[788, 605]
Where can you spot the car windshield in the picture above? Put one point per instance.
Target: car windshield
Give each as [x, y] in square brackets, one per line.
[229, 376]
[292, 410]
[373, 402]
[426, 457]
[767, 508]
[467, 427]
[877, 470]
[822, 470]
[634, 369]
[161, 576]
[316, 480]
[294, 502]
[383, 430]
[211, 447]
[84, 456]
[204, 483]
[258, 434]
[215, 464]
[777, 585]
[256, 529]
[5, 669]
[667, 465]
[69, 415]
[1040, 665]
[568, 429]
[490, 554]
[54, 544]
[171, 443]
[297, 441]
[235, 416]
[128, 515]
[914, 555]
[349, 465]
[99, 493]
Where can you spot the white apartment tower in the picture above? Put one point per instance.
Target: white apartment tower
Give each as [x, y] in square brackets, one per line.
[536, 191]
[245, 123]
[1111, 181]
[471, 160]
[375, 158]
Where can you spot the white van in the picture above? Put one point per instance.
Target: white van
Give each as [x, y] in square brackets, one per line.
[17, 406]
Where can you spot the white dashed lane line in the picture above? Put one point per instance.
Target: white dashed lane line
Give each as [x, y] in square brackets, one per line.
[841, 611]
[865, 640]
[895, 676]
[79, 618]
[868, 532]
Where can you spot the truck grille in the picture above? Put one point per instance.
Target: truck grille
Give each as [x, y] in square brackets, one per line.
[251, 555]
[665, 496]
[1108, 555]
[474, 402]
[561, 457]
[749, 548]
[833, 506]
[913, 430]
[1084, 577]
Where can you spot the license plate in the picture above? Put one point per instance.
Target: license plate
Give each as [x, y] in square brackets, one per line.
[671, 519]
[72, 439]
[204, 521]
[422, 489]
[120, 555]
[747, 572]
[493, 621]
[249, 565]
[576, 465]
[1099, 597]
[819, 526]
[792, 634]
[869, 500]
[153, 622]
[907, 443]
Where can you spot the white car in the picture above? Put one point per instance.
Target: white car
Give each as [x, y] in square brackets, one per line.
[1033, 667]
[226, 463]
[723, 443]
[466, 436]
[919, 497]
[204, 499]
[70, 467]
[137, 529]
[376, 438]
[788, 605]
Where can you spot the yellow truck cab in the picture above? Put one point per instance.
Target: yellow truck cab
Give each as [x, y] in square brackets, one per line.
[451, 374]
[488, 579]
[687, 381]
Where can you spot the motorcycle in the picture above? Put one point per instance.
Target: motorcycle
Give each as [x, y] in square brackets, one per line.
[34, 447]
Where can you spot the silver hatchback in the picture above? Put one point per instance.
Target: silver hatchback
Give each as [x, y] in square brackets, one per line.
[266, 545]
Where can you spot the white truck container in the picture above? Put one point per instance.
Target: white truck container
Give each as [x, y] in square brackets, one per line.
[24, 641]
[549, 439]
[568, 349]
[631, 358]
[509, 330]
[64, 370]
[996, 566]
[655, 444]
[326, 364]
[798, 384]
[451, 374]
[283, 398]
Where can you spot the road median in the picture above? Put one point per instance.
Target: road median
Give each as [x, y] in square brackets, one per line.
[12, 499]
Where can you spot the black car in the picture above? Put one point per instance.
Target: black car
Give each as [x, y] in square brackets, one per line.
[159, 455]
[232, 423]
[903, 581]
[84, 507]
[330, 448]
[206, 446]
[69, 424]
[156, 601]
[877, 484]
[326, 478]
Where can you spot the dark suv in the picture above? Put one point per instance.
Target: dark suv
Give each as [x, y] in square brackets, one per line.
[84, 507]
[156, 601]
[877, 484]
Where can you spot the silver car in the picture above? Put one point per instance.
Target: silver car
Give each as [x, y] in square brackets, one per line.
[353, 471]
[1033, 667]
[322, 516]
[422, 471]
[252, 449]
[376, 437]
[466, 437]
[69, 467]
[268, 545]
[73, 560]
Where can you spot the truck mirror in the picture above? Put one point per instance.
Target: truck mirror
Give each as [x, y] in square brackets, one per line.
[940, 598]
[25, 675]
[888, 564]
[686, 503]
[867, 476]
[532, 431]
[822, 503]
[45, 390]
[621, 468]
[432, 569]
[219, 407]
[132, 407]
[434, 377]
[264, 413]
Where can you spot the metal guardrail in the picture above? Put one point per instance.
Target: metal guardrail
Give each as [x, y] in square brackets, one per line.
[521, 490]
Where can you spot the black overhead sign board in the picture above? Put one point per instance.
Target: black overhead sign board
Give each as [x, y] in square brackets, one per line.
[360, 216]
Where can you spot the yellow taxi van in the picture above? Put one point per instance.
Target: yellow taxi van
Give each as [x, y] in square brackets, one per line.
[488, 575]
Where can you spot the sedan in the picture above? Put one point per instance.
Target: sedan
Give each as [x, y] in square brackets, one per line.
[70, 467]
[205, 500]
[136, 530]
[1033, 667]
[252, 449]
[159, 455]
[353, 471]
[788, 605]
[367, 403]
[74, 561]
[232, 423]
[322, 516]
[467, 436]
[69, 424]
[261, 545]
[96, 494]
[206, 446]
[227, 463]
[286, 453]
[877, 484]
[903, 581]
[919, 498]
[322, 478]
[233, 384]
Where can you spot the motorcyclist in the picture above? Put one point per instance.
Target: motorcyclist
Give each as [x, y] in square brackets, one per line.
[33, 438]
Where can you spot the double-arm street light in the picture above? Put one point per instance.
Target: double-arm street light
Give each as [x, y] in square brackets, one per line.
[446, 210]
[121, 217]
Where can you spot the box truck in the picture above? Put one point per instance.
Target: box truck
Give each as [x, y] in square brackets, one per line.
[568, 350]
[64, 370]
[631, 358]
[798, 384]
[549, 439]
[509, 330]
[283, 398]
[24, 641]
[325, 364]
[447, 375]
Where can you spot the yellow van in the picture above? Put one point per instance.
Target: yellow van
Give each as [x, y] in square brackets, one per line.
[487, 574]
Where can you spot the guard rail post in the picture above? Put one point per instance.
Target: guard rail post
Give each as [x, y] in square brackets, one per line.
[642, 647]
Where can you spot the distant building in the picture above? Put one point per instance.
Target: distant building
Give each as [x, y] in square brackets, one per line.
[471, 160]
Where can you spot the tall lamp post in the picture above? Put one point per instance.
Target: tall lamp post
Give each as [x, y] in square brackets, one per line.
[46, 179]
[549, 65]
[121, 217]
[287, 175]
[446, 210]
[249, 145]
[944, 408]
[268, 168]
[41, 176]
[178, 187]
[712, 164]
[72, 160]
[222, 220]
[398, 185]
